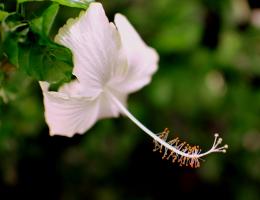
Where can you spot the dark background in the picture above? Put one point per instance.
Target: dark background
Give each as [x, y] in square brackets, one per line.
[208, 81]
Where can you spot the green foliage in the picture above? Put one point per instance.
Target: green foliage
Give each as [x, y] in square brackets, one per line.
[22, 1]
[74, 3]
[3, 14]
[43, 24]
[26, 42]
[28, 47]
[71, 3]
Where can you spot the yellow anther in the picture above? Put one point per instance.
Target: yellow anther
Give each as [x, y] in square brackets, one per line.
[183, 146]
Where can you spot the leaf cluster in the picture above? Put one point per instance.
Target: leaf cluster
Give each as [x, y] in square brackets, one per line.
[25, 40]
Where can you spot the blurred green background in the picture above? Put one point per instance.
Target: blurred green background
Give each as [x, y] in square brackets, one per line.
[208, 81]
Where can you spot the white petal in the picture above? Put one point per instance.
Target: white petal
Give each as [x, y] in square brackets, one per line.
[107, 106]
[66, 115]
[96, 48]
[142, 60]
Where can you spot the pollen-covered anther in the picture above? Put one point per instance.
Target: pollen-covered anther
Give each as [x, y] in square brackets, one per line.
[183, 147]
[163, 135]
[183, 153]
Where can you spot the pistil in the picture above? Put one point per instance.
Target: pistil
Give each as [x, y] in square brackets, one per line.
[184, 154]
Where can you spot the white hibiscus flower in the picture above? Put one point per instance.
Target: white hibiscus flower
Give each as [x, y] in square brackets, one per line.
[110, 62]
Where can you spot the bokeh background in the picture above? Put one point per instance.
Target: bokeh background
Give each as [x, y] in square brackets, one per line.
[208, 81]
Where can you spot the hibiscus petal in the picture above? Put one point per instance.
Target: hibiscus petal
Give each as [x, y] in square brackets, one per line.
[96, 48]
[66, 115]
[142, 60]
[107, 106]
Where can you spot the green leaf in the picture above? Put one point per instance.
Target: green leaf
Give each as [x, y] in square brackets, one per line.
[70, 3]
[74, 3]
[46, 60]
[33, 52]
[43, 60]
[44, 23]
[10, 47]
[13, 23]
[22, 1]
[3, 14]
[13, 30]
